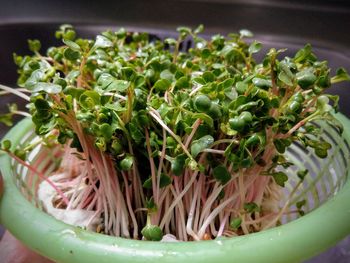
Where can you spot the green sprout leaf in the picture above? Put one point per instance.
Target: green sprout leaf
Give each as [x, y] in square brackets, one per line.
[199, 145]
[152, 233]
[221, 174]
[235, 223]
[6, 119]
[300, 204]
[341, 75]
[251, 207]
[20, 154]
[245, 33]
[89, 99]
[49, 88]
[202, 103]
[34, 45]
[305, 79]
[6, 145]
[302, 173]
[199, 29]
[126, 163]
[118, 85]
[303, 54]
[280, 178]
[178, 164]
[254, 47]
[72, 45]
[162, 85]
[71, 54]
[102, 42]
[281, 144]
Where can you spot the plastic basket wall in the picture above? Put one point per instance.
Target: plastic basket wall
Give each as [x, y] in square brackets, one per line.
[326, 176]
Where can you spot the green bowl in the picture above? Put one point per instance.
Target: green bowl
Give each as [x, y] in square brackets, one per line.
[295, 241]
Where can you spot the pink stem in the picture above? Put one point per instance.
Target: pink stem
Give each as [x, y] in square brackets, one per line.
[42, 176]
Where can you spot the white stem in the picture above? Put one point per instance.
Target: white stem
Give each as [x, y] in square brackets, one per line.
[196, 89]
[15, 92]
[214, 151]
[153, 113]
[189, 229]
[177, 199]
[23, 113]
[213, 214]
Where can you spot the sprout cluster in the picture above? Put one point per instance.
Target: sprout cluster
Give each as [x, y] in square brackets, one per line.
[171, 142]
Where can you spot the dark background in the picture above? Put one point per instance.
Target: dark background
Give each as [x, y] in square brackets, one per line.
[280, 24]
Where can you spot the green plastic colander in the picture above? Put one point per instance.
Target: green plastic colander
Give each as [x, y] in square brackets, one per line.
[327, 191]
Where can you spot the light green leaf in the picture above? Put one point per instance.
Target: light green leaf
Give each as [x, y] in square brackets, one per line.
[102, 42]
[341, 75]
[254, 47]
[199, 145]
[74, 46]
[126, 163]
[49, 88]
[245, 33]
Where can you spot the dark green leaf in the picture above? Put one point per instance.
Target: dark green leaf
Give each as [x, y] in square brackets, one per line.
[71, 54]
[305, 79]
[164, 180]
[302, 173]
[322, 153]
[182, 82]
[20, 154]
[162, 85]
[178, 164]
[221, 174]
[202, 103]
[198, 80]
[300, 204]
[148, 183]
[280, 178]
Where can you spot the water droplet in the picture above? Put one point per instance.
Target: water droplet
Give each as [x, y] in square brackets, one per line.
[69, 232]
